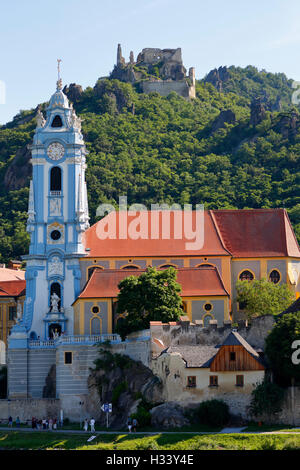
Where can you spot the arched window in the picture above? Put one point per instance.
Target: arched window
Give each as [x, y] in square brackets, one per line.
[55, 288]
[204, 266]
[57, 122]
[274, 276]
[166, 266]
[130, 266]
[96, 326]
[206, 320]
[55, 179]
[246, 276]
[92, 269]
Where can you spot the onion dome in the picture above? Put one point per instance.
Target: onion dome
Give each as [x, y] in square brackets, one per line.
[58, 99]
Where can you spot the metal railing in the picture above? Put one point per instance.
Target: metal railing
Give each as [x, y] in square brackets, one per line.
[74, 339]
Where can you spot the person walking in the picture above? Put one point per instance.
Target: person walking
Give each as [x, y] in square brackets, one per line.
[10, 421]
[55, 424]
[134, 424]
[86, 425]
[18, 422]
[92, 424]
[129, 424]
[50, 424]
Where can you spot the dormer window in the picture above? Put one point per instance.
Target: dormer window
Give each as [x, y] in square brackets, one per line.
[57, 122]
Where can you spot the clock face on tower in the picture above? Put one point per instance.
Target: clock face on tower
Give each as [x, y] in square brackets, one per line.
[55, 151]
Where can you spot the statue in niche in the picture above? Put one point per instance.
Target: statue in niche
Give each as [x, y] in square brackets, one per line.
[54, 302]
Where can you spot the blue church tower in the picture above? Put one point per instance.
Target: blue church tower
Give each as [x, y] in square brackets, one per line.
[57, 218]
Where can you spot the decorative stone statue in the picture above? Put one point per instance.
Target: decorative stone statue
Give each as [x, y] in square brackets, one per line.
[40, 121]
[54, 302]
[19, 311]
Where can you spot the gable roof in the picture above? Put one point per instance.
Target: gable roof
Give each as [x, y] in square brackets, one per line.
[202, 281]
[240, 233]
[257, 232]
[202, 356]
[130, 248]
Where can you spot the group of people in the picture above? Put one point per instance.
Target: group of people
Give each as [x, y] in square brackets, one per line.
[45, 423]
[132, 424]
[87, 423]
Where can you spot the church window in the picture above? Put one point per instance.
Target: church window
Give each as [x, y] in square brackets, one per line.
[205, 265]
[232, 356]
[96, 326]
[191, 381]
[92, 269]
[68, 357]
[57, 122]
[166, 266]
[130, 266]
[274, 276]
[208, 307]
[246, 276]
[55, 235]
[95, 309]
[55, 179]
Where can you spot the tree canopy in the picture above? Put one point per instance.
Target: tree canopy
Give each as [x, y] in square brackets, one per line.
[151, 296]
[262, 297]
[280, 348]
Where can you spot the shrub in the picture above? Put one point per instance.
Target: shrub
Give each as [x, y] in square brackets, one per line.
[213, 413]
[143, 416]
[266, 399]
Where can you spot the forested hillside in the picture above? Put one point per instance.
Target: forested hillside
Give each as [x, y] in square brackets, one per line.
[226, 149]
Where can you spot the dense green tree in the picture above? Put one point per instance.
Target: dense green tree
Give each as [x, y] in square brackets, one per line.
[261, 297]
[153, 295]
[281, 349]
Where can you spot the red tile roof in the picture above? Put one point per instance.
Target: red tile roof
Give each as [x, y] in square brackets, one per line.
[203, 281]
[11, 274]
[242, 233]
[257, 232]
[12, 288]
[130, 248]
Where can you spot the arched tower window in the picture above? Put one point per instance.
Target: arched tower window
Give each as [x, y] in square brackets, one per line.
[55, 179]
[57, 122]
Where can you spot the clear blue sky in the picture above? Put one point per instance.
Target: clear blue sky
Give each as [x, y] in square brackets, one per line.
[85, 34]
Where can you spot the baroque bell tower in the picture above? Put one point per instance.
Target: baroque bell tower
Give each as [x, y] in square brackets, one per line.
[57, 218]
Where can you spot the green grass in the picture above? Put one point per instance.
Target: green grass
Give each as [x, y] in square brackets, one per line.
[175, 441]
[269, 428]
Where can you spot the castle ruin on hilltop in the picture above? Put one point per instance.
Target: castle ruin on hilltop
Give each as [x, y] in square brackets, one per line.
[156, 70]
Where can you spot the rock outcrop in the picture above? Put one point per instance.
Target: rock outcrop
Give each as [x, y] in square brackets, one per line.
[19, 171]
[122, 382]
[258, 112]
[225, 117]
[168, 415]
